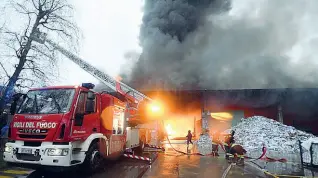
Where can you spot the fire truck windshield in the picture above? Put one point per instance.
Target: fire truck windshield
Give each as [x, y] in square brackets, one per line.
[50, 101]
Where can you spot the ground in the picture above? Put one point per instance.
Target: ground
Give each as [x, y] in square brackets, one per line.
[166, 166]
[171, 165]
[198, 166]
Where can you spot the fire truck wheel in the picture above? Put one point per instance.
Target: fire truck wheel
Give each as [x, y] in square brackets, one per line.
[93, 159]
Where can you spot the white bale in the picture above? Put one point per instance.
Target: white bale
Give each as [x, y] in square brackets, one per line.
[204, 144]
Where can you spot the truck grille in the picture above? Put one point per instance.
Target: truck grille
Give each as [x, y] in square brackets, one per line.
[32, 136]
[28, 157]
[32, 144]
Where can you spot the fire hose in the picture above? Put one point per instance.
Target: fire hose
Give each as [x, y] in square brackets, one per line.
[178, 151]
[262, 156]
[264, 150]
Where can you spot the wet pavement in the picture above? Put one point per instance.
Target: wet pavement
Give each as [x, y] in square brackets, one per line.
[175, 165]
[123, 168]
[191, 167]
[179, 166]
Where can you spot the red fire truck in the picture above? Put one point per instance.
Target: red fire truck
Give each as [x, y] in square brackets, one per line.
[70, 125]
[73, 125]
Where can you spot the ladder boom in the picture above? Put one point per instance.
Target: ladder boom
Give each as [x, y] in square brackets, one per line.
[103, 77]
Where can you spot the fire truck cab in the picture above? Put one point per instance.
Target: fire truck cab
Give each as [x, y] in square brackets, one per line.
[69, 125]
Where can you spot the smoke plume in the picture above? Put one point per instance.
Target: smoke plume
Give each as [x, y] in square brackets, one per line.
[217, 44]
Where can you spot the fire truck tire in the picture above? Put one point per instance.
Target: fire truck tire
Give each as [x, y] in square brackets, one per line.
[93, 159]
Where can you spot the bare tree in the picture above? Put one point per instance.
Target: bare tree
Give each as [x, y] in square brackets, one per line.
[34, 62]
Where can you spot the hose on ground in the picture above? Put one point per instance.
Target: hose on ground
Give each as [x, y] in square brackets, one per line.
[227, 171]
[264, 150]
[178, 151]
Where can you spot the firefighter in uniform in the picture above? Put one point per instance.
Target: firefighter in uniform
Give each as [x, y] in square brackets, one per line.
[215, 143]
[237, 153]
[229, 140]
[234, 152]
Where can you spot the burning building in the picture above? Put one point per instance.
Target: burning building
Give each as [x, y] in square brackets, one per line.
[294, 107]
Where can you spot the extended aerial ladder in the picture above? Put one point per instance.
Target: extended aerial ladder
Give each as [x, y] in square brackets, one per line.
[106, 79]
[135, 97]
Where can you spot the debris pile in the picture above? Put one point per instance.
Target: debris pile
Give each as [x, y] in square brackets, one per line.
[252, 132]
[204, 144]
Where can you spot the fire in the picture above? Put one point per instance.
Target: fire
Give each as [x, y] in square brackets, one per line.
[222, 116]
[177, 126]
[155, 108]
[169, 130]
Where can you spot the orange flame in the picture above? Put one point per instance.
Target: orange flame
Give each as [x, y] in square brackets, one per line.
[222, 116]
[169, 130]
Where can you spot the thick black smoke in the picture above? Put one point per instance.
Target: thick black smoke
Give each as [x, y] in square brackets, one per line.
[166, 26]
[210, 44]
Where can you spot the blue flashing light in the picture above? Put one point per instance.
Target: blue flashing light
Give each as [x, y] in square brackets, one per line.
[88, 85]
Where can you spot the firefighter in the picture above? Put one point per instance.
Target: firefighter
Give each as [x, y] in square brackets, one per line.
[215, 143]
[229, 140]
[189, 138]
[237, 153]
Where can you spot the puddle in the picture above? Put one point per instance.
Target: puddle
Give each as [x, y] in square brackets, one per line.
[279, 168]
[291, 167]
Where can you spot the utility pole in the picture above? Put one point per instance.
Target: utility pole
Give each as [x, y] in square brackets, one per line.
[280, 114]
[194, 122]
[204, 123]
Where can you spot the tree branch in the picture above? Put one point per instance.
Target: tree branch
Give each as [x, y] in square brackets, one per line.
[54, 16]
[34, 4]
[26, 11]
[16, 37]
[4, 69]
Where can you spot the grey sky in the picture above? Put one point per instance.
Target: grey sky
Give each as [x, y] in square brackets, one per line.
[110, 29]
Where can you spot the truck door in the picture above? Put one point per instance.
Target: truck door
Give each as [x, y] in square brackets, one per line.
[117, 139]
[86, 116]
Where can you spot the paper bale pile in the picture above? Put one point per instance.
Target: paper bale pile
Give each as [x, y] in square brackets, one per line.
[252, 132]
[204, 144]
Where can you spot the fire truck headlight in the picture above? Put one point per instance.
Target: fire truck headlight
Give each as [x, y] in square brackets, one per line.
[8, 149]
[57, 151]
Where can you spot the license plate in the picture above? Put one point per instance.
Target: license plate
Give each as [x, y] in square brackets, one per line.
[26, 150]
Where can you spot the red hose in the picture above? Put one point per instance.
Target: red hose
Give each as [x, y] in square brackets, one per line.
[222, 147]
[264, 150]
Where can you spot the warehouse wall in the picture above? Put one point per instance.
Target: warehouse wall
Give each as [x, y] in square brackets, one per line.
[238, 115]
[298, 115]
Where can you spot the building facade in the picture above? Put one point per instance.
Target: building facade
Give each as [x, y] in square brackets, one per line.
[293, 107]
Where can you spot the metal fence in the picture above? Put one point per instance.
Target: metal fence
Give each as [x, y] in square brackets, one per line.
[309, 158]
